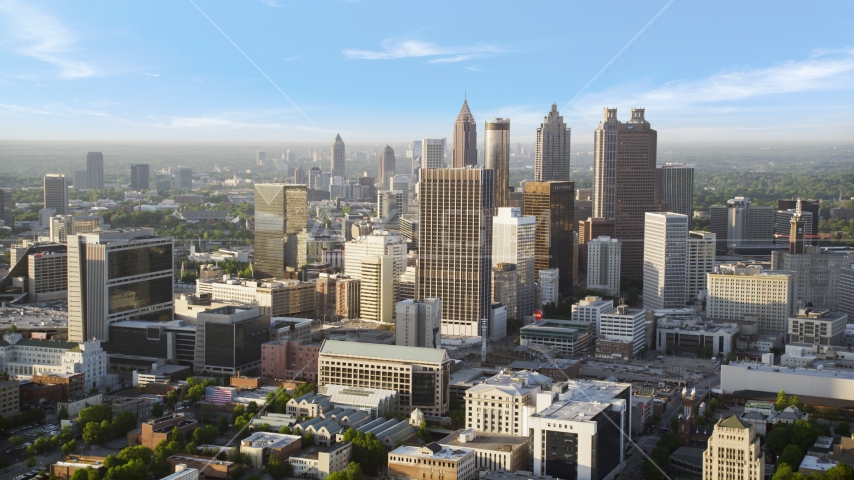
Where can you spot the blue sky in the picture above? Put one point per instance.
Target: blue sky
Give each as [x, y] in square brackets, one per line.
[396, 71]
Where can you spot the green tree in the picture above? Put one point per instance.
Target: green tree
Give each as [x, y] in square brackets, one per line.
[205, 435]
[285, 430]
[222, 424]
[279, 469]
[792, 455]
[123, 423]
[62, 414]
[95, 413]
[786, 472]
[176, 435]
[782, 402]
[133, 470]
[307, 440]
[367, 448]
[31, 462]
[842, 429]
[157, 410]
[16, 441]
[423, 434]
[69, 447]
[305, 388]
[171, 398]
[137, 452]
[252, 408]
[67, 433]
[237, 413]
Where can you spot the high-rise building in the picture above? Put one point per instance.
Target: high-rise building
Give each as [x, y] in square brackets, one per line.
[733, 451]
[626, 325]
[552, 205]
[505, 282]
[603, 265]
[665, 258]
[418, 323]
[7, 207]
[81, 180]
[738, 290]
[740, 224]
[338, 157]
[496, 155]
[379, 243]
[377, 290]
[624, 181]
[390, 204]
[229, 339]
[701, 260]
[588, 229]
[676, 183]
[455, 245]
[95, 169]
[811, 206]
[846, 291]
[465, 139]
[280, 225]
[783, 225]
[549, 280]
[140, 178]
[183, 177]
[513, 242]
[553, 156]
[299, 176]
[56, 193]
[117, 275]
[63, 225]
[386, 167]
[817, 273]
[433, 153]
[260, 158]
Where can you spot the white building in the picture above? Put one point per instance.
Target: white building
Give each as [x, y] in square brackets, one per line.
[590, 309]
[377, 292]
[319, 461]
[818, 327]
[817, 273]
[664, 259]
[418, 323]
[549, 280]
[377, 402]
[687, 334]
[390, 205]
[603, 265]
[433, 153]
[739, 290]
[260, 445]
[503, 403]
[22, 358]
[624, 324]
[513, 242]
[278, 298]
[378, 243]
[811, 382]
[734, 451]
[701, 260]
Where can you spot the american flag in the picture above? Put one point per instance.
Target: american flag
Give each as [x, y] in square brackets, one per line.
[218, 395]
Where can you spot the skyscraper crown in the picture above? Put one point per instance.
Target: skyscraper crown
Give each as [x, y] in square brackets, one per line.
[465, 114]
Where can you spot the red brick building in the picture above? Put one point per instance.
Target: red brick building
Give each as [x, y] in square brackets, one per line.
[289, 360]
[156, 430]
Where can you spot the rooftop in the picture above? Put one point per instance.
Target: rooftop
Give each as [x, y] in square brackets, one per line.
[517, 383]
[815, 463]
[733, 422]
[356, 395]
[689, 455]
[312, 453]
[505, 475]
[576, 411]
[385, 352]
[269, 440]
[484, 441]
[809, 372]
[434, 451]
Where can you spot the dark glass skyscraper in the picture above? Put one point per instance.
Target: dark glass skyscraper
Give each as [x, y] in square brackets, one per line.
[552, 203]
[139, 177]
[280, 218]
[553, 156]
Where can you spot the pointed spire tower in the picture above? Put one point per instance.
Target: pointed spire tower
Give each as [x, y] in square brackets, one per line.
[465, 138]
[338, 157]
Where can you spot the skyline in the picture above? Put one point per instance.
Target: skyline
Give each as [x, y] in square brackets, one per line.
[125, 72]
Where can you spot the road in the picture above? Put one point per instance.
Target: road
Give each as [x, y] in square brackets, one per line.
[42, 462]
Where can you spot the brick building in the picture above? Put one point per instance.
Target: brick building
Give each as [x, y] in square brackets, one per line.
[289, 360]
[71, 384]
[212, 468]
[446, 463]
[9, 399]
[156, 430]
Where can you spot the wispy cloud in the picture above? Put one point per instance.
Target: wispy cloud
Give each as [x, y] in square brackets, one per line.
[215, 122]
[394, 49]
[291, 59]
[60, 110]
[473, 68]
[41, 36]
[271, 3]
[151, 74]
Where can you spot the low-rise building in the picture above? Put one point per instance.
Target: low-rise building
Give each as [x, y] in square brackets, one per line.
[687, 462]
[9, 398]
[183, 472]
[290, 360]
[492, 451]
[212, 468]
[23, 358]
[261, 445]
[450, 463]
[818, 327]
[65, 468]
[309, 405]
[377, 402]
[281, 298]
[229, 339]
[693, 335]
[503, 403]
[814, 386]
[319, 461]
[156, 430]
[566, 337]
[74, 406]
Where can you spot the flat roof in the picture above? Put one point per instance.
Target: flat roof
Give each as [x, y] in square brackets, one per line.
[370, 397]
[484, 441]
[384, 352]
[312, 453]
[689, 455]
[815, 463]
[269, 440]
[808, 372]
[576, 411]
[445, 453]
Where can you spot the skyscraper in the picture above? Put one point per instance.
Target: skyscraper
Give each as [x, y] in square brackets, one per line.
[496, 145]
[513, 242]
[338, 157]
[139, 177]
[624, 181]
[553, 140]
[465, 138]
[183, 177]
[95, 169]
[377, 293]
[56, 193]
[740, 224]
[676, 182]
[552, 204]
[418, 323]
[433, 153]
[734, 451]
[455, 245]
[260, 158]
[117, 275]
[665, 260]
[386, 167]
[701, 260]
[280, 224]
[7, 206]
[603, 265]
[81, 180]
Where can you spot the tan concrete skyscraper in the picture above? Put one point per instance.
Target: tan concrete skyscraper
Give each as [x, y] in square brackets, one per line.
[386, 167]
[338, 157]
[280, 229]
[734, 451]
[455, 245]
[624, 181]
[465, 138]
[553, 139]
[496, 144]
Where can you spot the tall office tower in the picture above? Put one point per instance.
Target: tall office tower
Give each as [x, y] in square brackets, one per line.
[117, 275]
[299, 176]
[624, 181]
[183, 177]
[676, 183]
[514, 242]
[744, 224]
[738, 290]
[260, 158]
[455, 248]
[379, 243]
[390, 203]
[846, 291]
[701, 260]
[505, 282]
[386, 166]
[402, 183]
[95, 169]
[81, 180]
[818, 281]
[433, 153]
[465, 139]
[56, 193]
[552, 204]
[377, 290]
[734, 451]
[417, 156]
[7, 206]
[718, 220]
[496, 148]
[588, 229]
[313, 176]
[783, 225]
[140, 178]
[280, 223]
[549, 284]
[553, 139]
[603, 265]
[665, 258]
[338, 157]
[807, 206]
[61, 226]
[418, 323]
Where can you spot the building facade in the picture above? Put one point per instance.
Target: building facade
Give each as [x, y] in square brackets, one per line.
[338, 157]
[665, 260]
[551, 203]
[553, 142]
[280, 223]
[140, 178]
[624, 324]
[377, 289]
[739, 290]
[676, 182]
[56, 193]
[603, 265]
[418, 323]
[465, 139]
[734, 451]
[496, 156]
[701, 260]
[514, 242]
[386, 167]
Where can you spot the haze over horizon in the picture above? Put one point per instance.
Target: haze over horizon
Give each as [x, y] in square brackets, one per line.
[383, 72]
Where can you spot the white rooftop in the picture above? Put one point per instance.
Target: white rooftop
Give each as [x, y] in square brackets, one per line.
[445, 453]
[816, 463]
[807, 372]
[269, 440]
[368, 397]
